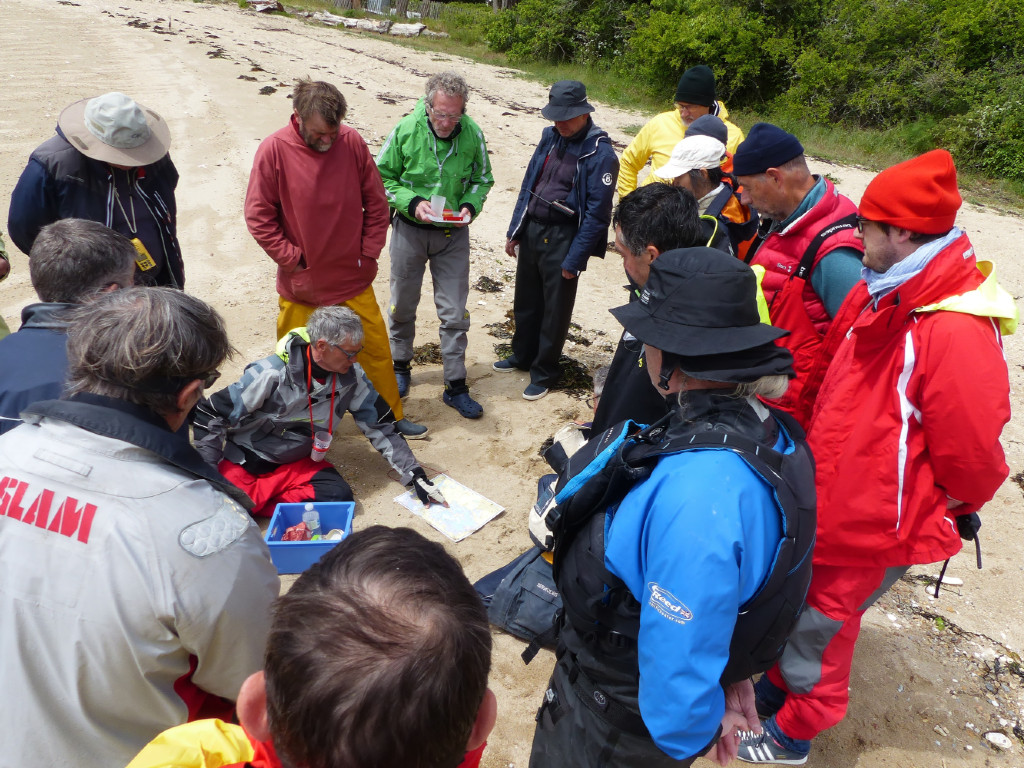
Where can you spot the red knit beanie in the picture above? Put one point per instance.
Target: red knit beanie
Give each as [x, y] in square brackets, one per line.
[920, 194]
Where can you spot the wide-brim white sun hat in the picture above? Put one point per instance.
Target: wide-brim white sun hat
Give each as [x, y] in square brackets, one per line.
[113, 128]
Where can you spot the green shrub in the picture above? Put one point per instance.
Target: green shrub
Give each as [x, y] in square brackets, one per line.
[990, 139]
[467, 23]
[535, 29]
[672, 35]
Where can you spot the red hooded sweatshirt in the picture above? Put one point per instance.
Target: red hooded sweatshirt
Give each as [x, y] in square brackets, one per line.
[323, 217]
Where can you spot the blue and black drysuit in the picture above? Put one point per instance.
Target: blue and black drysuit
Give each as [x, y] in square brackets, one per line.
[683, 551]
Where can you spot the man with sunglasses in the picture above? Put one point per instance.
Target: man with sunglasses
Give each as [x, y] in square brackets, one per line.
[259, 431]
[436, 151]
[135, 590]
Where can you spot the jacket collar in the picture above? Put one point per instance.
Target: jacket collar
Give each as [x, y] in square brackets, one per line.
[587, 145]
[138, 426]
[48, 315]
[951, 271]
[701, 410]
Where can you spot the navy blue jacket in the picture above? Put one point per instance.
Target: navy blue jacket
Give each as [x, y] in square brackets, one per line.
[60, 182]
[33, 361]
[590, 196]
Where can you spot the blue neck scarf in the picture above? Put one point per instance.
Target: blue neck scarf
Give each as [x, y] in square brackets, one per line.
[881, 283]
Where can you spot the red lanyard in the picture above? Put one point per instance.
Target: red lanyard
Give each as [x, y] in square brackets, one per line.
[309, 396]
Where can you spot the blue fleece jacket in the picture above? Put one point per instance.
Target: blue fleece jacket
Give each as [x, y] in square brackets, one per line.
[590, 196]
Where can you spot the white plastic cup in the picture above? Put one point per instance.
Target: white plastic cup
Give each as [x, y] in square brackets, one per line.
[321, 442]
[437, 204]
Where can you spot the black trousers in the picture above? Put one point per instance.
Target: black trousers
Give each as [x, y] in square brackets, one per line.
[544, 300]
[571, 735]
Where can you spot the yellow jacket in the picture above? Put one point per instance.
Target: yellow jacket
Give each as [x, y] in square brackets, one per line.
[656, 141]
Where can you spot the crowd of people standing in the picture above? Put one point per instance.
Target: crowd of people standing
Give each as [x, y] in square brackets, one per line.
[818, 342]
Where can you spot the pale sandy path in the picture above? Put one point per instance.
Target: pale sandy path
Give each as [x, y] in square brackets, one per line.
[54, 53]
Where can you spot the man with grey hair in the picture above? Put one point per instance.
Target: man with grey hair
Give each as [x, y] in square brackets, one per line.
[128, 566]
[260, 431]
[435, 156]
[72, 262]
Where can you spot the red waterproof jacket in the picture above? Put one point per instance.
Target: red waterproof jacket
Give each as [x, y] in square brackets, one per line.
[781, 252]
[792, 301]
[322, 216]
[909, 415]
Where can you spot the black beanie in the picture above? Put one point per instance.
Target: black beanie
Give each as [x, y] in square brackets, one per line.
[697, 86]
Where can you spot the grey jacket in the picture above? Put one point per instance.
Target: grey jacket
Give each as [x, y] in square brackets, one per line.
[133, 585]
[265, 414]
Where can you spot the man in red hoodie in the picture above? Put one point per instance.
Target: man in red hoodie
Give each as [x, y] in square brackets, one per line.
[316, 205]
[905, 436]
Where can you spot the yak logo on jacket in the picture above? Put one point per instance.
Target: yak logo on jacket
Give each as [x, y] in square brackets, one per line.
[668, 605]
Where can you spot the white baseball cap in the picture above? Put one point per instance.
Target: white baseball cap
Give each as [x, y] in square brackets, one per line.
[691, 153]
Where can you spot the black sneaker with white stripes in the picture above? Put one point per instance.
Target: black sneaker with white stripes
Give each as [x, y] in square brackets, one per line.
[762, 748]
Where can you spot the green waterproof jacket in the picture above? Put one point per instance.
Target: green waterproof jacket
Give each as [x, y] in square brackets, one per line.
[415, 164]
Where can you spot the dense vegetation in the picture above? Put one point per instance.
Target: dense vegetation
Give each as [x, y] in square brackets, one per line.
[934, 72]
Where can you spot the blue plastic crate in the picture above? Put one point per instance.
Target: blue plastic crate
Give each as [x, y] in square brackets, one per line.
[297, 556]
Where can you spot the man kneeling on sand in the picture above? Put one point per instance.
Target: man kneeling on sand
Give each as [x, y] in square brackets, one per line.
[268, 433]
[350, 646]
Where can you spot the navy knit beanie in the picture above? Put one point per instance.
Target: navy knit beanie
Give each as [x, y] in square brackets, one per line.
[766, 146]
[709, 125]
[697, 86]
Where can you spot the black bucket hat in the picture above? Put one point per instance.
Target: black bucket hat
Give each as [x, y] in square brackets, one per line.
[701, 305]
[567, 99]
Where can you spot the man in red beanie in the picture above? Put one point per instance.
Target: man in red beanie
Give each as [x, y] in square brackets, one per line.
[807, 246]
[902, 464]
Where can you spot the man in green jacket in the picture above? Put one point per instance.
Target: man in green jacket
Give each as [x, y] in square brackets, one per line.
[435, 151]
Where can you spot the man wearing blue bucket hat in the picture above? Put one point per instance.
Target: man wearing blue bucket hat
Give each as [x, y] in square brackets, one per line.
[683, 567]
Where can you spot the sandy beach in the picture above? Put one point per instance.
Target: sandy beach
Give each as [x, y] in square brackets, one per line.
[220, 76]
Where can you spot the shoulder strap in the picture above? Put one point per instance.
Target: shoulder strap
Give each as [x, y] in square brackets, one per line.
[764, 228]
[807, 262]
[710, 226]
[728, 440]
[716, 206]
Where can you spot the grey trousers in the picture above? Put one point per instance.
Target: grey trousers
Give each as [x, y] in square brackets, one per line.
[446, 250]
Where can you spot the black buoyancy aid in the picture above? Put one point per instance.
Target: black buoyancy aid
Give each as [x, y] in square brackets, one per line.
[599, 606]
